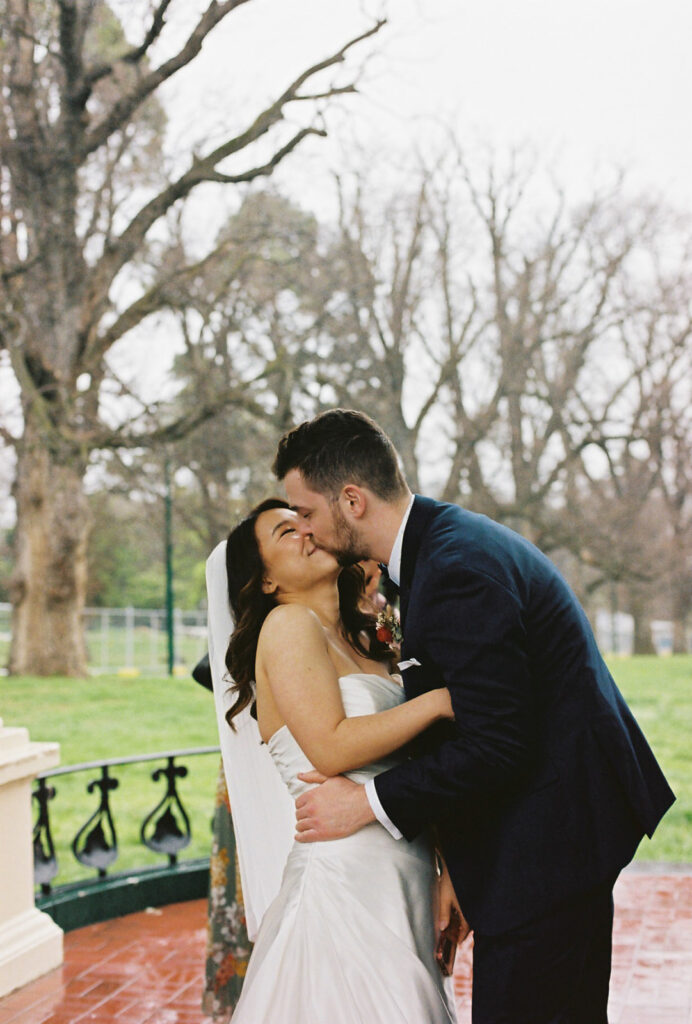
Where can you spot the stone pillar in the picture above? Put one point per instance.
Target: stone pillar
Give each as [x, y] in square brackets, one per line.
[30, 941]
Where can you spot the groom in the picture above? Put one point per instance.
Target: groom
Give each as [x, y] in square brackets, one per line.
[542, 792]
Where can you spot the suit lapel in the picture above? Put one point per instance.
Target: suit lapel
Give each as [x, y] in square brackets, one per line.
[419, 517]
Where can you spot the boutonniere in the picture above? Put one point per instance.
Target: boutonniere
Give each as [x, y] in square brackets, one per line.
[388, 628]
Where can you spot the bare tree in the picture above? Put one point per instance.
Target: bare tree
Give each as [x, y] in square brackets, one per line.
[482, 306]
[252, 321]
[641, 534]
[382, 284]
[530, 326]
[670, 445]
[547, 343]
[677, 490]
[71, 230]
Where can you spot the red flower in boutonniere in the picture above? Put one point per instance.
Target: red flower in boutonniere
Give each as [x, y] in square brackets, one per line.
[388, 628]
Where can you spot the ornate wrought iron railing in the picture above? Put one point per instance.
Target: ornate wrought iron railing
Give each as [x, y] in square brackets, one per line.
[165, 829]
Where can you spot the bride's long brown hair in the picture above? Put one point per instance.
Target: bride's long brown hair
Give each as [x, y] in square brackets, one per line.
[250, 606]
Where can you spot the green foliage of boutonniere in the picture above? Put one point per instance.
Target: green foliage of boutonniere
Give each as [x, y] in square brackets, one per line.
[388, 628]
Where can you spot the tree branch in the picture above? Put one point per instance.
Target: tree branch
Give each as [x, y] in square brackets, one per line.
[122, 109]
[264, 169]
[153, 300]
[10, 440]
[157, 23]
[176, 429]
[133, 56]
[204, 169]
[70, 51]
[19, 268]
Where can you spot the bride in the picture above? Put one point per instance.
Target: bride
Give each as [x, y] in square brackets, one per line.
[350, 937]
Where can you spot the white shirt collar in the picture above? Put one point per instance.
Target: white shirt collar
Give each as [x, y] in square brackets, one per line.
[394, 566]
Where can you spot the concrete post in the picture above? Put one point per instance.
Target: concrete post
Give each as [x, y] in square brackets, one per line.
[30, 941]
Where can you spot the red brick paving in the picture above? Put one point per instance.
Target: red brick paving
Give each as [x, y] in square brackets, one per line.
[148, 968]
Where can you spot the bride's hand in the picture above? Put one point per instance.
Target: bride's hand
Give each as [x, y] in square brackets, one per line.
[445, 900]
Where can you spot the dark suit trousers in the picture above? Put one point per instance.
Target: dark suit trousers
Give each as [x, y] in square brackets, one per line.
[553, 970]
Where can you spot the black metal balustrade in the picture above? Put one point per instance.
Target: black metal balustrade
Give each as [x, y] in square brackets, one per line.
[165, 830]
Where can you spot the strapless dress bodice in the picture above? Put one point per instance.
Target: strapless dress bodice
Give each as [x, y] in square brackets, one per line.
[350, 937]
[362, 693]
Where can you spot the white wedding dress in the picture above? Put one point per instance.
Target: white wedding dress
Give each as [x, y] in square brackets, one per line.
[350, 937]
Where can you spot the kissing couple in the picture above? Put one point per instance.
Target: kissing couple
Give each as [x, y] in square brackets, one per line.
[504, 786]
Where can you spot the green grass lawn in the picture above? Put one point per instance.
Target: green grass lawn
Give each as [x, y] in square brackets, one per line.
[111, 716]
[659, 691]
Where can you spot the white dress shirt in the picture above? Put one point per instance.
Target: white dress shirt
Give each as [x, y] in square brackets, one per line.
[394, 570]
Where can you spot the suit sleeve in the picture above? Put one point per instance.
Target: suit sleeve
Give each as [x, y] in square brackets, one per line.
[473, 632]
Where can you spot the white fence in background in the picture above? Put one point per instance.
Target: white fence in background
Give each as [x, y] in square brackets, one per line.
[135, 640]
[615, 634]
[132, 640]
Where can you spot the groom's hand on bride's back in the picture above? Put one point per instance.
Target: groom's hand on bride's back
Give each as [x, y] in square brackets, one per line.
[335, 808]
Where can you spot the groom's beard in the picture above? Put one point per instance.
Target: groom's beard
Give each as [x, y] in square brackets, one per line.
[347, 547]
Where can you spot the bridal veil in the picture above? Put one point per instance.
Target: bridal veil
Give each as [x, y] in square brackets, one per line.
[262, 810]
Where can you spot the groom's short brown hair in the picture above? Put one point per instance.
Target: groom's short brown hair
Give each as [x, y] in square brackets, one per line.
[341, 446]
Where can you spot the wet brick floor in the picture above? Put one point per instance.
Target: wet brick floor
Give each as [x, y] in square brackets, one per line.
[148, 968]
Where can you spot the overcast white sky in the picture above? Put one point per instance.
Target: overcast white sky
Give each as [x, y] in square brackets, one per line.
[592, 83]
[589, 84]
[600, 81]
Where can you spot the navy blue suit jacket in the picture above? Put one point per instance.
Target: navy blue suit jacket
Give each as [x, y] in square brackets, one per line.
[544, 785]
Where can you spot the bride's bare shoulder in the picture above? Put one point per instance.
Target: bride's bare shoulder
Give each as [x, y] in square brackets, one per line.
[288, 624]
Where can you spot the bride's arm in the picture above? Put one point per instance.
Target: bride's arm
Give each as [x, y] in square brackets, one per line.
[292, 654]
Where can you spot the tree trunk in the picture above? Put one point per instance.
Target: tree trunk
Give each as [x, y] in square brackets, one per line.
[681, 594]
[49, 581]
[642, 641]
[680, 644]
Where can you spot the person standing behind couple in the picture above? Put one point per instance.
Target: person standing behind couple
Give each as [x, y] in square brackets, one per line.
[549, 785]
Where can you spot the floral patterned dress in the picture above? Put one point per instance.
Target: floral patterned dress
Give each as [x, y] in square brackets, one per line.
[228, 947]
